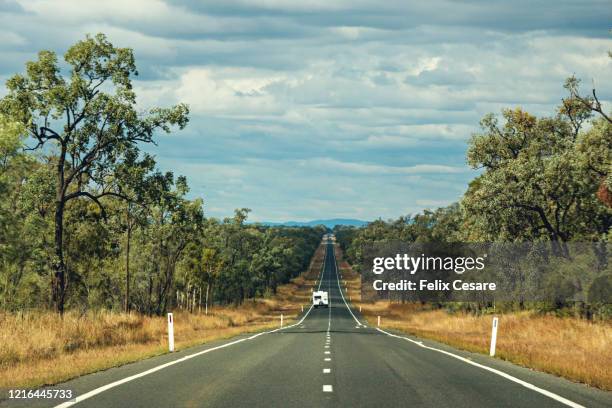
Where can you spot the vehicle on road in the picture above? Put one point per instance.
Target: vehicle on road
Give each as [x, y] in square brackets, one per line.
[319, 298]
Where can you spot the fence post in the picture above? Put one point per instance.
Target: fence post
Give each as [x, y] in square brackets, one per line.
[493, 336]
[170, 332]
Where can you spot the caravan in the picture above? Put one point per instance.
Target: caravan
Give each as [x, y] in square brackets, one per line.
[319, 298]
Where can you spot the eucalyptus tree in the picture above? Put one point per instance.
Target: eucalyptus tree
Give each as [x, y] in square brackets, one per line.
[85, 122]
[138, 183]
[174, 223]
[539, 179]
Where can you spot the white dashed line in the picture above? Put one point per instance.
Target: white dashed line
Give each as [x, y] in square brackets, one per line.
[328, 359]
[328, 352]
[326, 370]
[328, 388]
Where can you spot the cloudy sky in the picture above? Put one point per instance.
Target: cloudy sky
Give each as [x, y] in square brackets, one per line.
[320, 109]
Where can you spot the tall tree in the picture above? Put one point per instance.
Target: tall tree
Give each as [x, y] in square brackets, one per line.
[91, 120]
[540, 180]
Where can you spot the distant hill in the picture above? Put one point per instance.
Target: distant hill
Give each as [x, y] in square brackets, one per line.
[331, 223]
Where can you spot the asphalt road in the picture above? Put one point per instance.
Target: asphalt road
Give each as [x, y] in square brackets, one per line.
[328, 359]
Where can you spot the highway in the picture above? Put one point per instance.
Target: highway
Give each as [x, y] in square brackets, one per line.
[330, 358]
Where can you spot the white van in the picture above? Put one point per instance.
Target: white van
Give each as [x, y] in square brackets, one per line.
[319, 298]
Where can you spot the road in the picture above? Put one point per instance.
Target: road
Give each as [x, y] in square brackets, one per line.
[329, 359]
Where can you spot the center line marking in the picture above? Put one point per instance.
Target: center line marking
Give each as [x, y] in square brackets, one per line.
[328, 359]
[328, 352]
[326, 370]
[328, 388]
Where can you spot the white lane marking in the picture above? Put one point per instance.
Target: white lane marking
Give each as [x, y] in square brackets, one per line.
[340, 289]
[327, 359]
[328, 352]
[328, 388]
[326, 370]
[106, 387]
[493, 370]
[147, 372]
[326, 346]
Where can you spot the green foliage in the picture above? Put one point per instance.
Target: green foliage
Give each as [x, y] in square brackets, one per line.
[87, 125]
[544, 180]
[540, 180]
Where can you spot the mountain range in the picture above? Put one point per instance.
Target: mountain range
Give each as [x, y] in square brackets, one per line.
[329, 223]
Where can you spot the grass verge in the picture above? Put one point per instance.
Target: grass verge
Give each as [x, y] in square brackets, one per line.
[41, 348]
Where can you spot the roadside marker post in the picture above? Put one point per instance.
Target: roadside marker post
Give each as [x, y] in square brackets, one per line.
[359, 309]
[378, 321]
[281, 320]
[170, 332]
[302, 308]
[493, 336]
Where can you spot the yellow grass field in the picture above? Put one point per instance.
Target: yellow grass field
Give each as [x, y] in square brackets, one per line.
[576, 349]
[38, 348]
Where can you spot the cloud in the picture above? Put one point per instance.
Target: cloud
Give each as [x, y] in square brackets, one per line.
[313, 109]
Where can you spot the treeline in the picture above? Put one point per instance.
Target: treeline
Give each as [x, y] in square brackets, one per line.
[86, 218]
[545, 179]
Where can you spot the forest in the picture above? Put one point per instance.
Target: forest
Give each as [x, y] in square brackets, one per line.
[543, 180]
[89, 222]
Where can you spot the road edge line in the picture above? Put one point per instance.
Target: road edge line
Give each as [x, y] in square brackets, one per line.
[507, 376]
[340, 288]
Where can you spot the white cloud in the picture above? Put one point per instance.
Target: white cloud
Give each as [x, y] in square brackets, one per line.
[357, 107]
[227, 92]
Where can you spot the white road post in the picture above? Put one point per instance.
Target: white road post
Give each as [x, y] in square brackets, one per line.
[493, 336]
[378, 321]
[281, 320]
[359, 309]
[302, 308]
[170, 332]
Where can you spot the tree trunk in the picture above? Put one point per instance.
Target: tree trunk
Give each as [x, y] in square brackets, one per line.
[206, 304]
[127, 265]
[200, 301]
[58, 284]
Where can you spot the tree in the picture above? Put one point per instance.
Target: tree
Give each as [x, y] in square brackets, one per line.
[139, 185]
[90, 119]
[539, 180]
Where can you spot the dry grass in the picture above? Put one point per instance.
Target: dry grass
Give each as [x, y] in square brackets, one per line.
[39, 348]
[568, 347]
